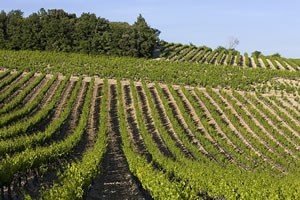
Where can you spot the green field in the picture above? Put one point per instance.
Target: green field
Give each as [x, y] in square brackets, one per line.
[223, 56]
[76, 126]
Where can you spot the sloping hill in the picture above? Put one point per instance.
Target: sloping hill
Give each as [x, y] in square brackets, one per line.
[67, 137]
[222, 56]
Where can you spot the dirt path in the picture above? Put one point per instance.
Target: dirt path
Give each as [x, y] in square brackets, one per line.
[197, 122]
[11, 81]
[187, 55]
[73, 118]
[145, 108]
[201, 51]
[89, 137]
[41, 126]
[181, 121]
[223, 59]
[256, 122]
[278, 117]
[290, 67]
[232, 60]
[178, 53]
[15, 81]
[291, 103]
[16, 93]
[246, 141]
[93, 122]
[33, 180]
[30, 97]
[50, 93]
[133, 128]
[167, 123]
[215, 125]
[270, 122]
[243, 61]
[262, 65]
[237, 116]
[63, 98]
[253, 64]
[288, 114]
[116, 182]
[214, 58]
[279, 65]
[270, 64]
[205, 56]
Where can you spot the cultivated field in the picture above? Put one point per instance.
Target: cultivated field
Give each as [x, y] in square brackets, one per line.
[222, 56]
[74, 137]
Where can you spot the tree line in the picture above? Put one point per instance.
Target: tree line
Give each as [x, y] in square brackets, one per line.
[57, 30]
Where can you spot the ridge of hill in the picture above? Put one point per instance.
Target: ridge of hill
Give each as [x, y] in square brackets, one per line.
[222, 56]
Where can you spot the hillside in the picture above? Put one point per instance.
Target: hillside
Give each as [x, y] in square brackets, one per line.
[97, 109]
[81, 134]
[141, 69]
[223, 56]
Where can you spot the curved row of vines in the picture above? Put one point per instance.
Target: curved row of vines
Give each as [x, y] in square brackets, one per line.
[81, 137]
[222, 56]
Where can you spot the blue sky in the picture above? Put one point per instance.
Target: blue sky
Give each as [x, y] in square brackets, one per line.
[269, 26]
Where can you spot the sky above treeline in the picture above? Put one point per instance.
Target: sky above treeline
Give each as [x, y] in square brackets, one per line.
[269, 26]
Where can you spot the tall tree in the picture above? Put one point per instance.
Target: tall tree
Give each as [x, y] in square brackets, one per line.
[32, 28]
[146, 37]
[124, 39]
[84, 31]
[58, 30]
[14, 29]
[3, 24]
[100, 37]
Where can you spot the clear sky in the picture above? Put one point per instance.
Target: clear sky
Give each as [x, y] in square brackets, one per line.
[269, 26]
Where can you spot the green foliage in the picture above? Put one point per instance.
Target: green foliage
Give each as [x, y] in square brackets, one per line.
[57, 30]
[14, 28]
[137, 69]
[221, 48]
[247, 60]
[276, 55]
[221, 121]
[78, 175]
[256, 54]
[3, 27]
[295, 61]
[263, 58]
[34, 157]
[238, 59]
[180, 52]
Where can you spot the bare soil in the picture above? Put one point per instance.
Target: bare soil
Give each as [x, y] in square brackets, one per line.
[117, 182]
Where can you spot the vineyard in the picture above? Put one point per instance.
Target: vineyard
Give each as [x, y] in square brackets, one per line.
[79, 136]
[222, 56]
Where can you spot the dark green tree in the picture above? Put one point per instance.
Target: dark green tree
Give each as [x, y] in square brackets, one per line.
[146, 38]
[90, 34]
[101, 36]
[14, 29]
[31, 38]
[276, 55]
[122, 39]
[58, 30]
[3, 24]
[256, 54]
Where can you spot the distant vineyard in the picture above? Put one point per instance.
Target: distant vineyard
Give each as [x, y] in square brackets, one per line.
[188, 73]
[82, 137]
[222, 56]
